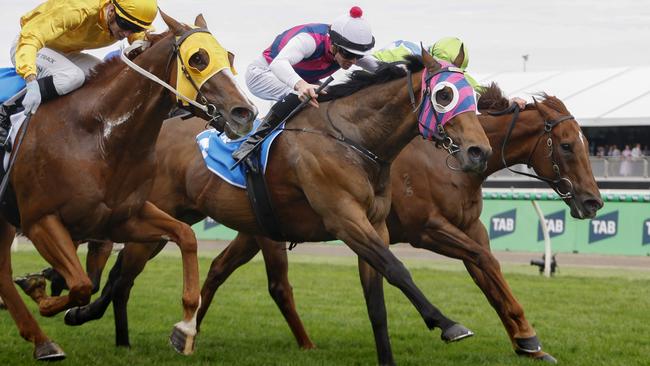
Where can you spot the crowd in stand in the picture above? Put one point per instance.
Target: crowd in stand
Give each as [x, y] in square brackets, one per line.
[627, 152]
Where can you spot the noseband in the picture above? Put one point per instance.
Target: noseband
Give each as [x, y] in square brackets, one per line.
[548, 127]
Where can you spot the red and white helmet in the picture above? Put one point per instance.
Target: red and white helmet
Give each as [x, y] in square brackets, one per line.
[352, 32]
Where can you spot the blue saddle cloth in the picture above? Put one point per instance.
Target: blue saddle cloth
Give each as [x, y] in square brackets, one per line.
[10, 83]
[217, 149]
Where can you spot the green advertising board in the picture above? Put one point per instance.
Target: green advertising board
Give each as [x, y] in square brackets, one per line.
[621, 227]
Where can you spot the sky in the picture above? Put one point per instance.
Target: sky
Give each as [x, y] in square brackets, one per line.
[556, 34]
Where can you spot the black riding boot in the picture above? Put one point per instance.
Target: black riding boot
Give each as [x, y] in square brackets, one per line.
[277, 113]
[5, 124]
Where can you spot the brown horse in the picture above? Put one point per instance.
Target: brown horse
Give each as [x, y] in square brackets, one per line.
[433, 208]
[438, 209]
[84, 171]
[322, 187]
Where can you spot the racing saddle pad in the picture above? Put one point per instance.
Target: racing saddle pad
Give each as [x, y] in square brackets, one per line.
[217, 149]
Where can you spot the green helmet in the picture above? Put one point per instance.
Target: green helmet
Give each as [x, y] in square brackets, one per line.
[448, 48]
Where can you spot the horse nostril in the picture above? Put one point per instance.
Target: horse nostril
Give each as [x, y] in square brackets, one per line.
[592, 204]
[242, 113]
[476, 153]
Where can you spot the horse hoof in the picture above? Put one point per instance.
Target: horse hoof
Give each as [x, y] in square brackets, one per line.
[529, 345]
[455, 333]
[72, 317]
[182, 341]
[48, 351]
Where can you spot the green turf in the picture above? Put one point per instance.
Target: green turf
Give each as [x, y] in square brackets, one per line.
[584, 317]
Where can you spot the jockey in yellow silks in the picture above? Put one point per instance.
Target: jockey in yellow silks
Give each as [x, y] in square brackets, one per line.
[47, 51]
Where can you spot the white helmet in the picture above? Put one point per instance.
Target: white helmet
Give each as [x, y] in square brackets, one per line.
[352, 32]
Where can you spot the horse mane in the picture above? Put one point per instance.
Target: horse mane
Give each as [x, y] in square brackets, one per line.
[361, 79]
[492, 98]
[114, 64]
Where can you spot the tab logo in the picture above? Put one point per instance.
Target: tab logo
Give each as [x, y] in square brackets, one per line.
[209, 223]
[603, 227]
[503, 224]
[555, 224]
[646, 232]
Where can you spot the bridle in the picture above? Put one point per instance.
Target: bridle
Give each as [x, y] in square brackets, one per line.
[548, 127]
[209, 109]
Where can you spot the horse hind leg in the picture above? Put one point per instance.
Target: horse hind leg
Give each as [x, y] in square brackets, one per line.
[44, 348]
[53, 242]
[277, 272]
[98, 254]
[239, 252]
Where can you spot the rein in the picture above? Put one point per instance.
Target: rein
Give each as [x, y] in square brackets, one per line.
[548, 127]
[207, 108]
[340, 137]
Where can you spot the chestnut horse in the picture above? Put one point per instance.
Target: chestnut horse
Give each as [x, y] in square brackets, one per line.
[84, 170]
[322, 187]
[433, 208]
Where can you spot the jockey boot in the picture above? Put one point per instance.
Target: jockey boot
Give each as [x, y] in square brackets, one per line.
[278, 112]
[5, 124]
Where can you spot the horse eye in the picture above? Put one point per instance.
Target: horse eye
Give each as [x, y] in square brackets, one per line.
[199, 60]
[443, 96]
[566, 147]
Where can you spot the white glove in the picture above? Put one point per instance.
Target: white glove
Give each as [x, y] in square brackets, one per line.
[32, 98]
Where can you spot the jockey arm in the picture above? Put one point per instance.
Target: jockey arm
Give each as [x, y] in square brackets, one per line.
[39, 30]
[297, 49]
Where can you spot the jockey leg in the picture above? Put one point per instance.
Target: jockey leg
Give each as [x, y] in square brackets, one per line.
[277, 113]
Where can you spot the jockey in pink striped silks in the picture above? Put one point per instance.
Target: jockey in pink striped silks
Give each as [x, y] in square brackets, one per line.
[289, 70]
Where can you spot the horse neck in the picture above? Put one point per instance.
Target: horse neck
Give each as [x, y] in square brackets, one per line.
[134, 107]
[380, 118]
[520, 145]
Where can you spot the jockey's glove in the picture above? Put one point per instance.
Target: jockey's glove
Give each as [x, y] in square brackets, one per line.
[32, 97]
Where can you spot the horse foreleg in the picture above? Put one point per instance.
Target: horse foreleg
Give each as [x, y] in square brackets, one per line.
[44, 348]
[487, 275]
[351, 225]
[277, 272]
[98, 254]
[53, 242]
[239, 252]
[473, 248]
[373, 292]
[153, 225]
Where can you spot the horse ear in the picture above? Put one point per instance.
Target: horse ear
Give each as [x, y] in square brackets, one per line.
[173, 25]
[461, 57]
[200, 22]
[428, 60]
[541, 108]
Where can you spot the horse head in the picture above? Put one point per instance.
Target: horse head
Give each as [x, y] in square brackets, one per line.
[562, 158]
[448, 113]
[205, 75]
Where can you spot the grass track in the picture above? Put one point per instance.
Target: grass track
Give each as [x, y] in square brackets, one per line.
[584, 317]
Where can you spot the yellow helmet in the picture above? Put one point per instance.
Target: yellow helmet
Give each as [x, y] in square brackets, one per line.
[140, 13]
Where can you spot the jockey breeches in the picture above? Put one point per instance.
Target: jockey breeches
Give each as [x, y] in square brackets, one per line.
[263, 83]
[68, 70]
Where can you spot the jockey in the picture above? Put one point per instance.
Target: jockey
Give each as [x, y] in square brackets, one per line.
[446, 49]
[289, 70]
[47, 51]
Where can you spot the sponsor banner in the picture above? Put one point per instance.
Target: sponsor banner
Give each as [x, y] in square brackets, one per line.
[555, 224]
[503, 224]
[603, 227]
